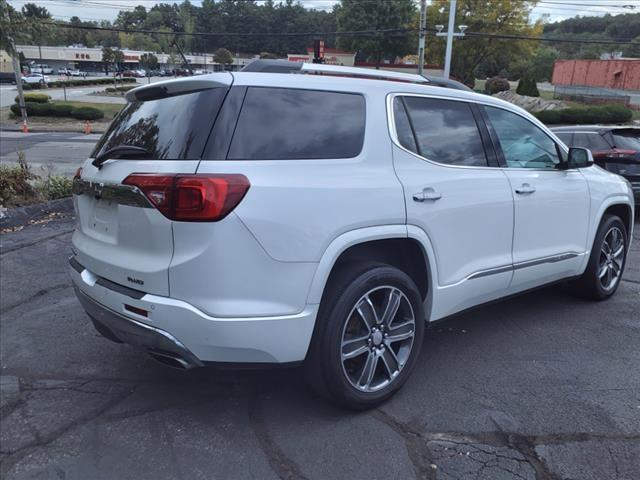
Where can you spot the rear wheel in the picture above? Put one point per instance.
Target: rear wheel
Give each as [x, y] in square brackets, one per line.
[606, 263]
[368, 337]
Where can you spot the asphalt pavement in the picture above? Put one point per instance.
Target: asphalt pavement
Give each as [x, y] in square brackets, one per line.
[542, 386]
[58, 153]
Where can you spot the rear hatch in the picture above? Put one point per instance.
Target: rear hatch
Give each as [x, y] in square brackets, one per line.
[122, 235]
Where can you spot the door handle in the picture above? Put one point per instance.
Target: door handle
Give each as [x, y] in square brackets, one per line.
[525, 188]
[427, 194]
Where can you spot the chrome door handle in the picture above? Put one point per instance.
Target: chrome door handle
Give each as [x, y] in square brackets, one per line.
[427, 194]
[525, 188]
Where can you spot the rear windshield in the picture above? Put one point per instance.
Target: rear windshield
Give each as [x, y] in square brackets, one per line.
[172, 128]
[626, 139]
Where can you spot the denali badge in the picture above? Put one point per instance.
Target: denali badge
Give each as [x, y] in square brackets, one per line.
[135, 280]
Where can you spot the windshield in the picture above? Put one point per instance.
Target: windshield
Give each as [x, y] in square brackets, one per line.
[172, 128]
[626, 139]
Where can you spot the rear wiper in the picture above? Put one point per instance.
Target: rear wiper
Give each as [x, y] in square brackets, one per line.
[120, 151]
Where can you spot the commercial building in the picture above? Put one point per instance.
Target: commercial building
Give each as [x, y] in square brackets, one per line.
[619, 74]
[90, 59]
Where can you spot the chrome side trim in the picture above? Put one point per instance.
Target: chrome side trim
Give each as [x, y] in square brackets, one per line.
[115, 192]
[520, 265]
[550, 259]
[490, 271]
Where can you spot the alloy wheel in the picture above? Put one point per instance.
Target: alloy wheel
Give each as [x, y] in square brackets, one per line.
[611, 258]
[377, 338]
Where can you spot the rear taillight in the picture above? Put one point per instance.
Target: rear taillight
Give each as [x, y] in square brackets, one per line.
[192, 198]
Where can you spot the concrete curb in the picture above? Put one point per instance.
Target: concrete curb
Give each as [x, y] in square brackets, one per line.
[14, 217]
[53, 128]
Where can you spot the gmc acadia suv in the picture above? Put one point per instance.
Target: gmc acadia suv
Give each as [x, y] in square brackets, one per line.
[269, 218]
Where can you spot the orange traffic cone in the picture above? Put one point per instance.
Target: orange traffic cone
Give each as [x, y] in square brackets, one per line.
[25, 127]
[87, 127]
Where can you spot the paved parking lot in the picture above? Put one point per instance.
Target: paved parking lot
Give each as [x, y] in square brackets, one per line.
[543, 386]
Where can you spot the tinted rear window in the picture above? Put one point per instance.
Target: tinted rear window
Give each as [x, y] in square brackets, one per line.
[173, 128]
[626, 139]
[283, 124]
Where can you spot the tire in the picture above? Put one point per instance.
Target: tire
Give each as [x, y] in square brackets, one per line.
[604, 270]
[380, 365]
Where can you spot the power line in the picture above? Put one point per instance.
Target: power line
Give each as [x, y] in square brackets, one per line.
[388, 31]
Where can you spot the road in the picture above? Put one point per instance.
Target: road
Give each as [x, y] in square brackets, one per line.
[78, 94]
[542, 386]
[59, 153]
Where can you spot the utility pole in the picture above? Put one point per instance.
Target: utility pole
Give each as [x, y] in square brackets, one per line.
[423, 34]
[452, 19]
[16, 70]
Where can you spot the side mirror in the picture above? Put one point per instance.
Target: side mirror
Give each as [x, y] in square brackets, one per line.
[579, 158]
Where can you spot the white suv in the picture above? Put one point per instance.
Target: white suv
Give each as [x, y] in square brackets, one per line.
[269, 218]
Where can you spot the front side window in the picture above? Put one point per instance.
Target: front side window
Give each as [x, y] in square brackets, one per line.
[285, 124]
[445, 131]
[523, 144]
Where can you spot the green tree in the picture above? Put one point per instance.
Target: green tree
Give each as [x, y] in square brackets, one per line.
[148, 61]
[223, 56]
[504, 16]
[377, 15]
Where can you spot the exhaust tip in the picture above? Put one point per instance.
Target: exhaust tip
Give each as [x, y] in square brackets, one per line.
[171, 360]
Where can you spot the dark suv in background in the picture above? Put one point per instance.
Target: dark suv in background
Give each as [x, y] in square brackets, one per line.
[616, 149]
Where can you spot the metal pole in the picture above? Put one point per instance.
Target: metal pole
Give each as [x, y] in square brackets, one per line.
[16, 70]
[447, 57]
[423, 34]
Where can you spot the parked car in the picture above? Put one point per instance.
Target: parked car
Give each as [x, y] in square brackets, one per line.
[141, 73]
[181, 72]
[41, 68]
[325, 220]
[71, 72]
[35, 78]
[8, 77]
[614, 148]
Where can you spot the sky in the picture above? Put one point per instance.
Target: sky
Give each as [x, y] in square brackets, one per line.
[553, 10]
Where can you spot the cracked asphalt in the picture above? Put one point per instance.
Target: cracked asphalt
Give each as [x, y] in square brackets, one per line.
[542, 386]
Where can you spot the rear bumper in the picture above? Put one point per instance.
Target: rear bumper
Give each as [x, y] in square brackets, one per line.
[177, 329]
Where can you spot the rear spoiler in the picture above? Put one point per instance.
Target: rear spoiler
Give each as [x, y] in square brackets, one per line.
[179, 86]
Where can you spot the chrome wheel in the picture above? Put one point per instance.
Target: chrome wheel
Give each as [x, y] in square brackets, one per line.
[377, 338]
[611, 258]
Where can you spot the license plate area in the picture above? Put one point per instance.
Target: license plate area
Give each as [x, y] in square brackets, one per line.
[104, 221]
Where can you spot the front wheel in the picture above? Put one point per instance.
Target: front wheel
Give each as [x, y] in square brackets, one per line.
[606, 263]
[368, 337]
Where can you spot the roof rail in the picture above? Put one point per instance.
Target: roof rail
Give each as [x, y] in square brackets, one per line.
[362, 72]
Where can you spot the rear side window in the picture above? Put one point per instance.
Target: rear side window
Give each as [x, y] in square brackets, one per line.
[284, 124]
[590, 140]
[626, 139]
[445, 131]
[172, 128]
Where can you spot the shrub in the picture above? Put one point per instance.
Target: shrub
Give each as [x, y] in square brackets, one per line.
[87, 113]
[586, 115]
[61, 110]
[549, 117]
[496, 84]
[54, 187]
[15, 182]
[527, 86]
[33, 108]
[34, 97]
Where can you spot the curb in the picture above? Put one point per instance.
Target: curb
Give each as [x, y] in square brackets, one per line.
[14, 217]
[52, 129]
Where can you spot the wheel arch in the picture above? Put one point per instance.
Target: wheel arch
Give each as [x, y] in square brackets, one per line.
[397, 245]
